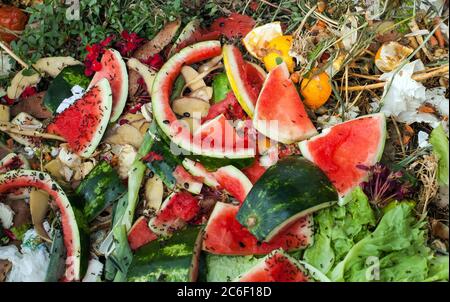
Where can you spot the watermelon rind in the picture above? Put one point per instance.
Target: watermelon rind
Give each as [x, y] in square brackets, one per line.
[303, 146]
[292, 188]
[237, 84]
[117, 108]
[234, 174]
[43, 181]
[261, 265]
[174, 259]
[179, 134]
[196, 169]
[106, 97]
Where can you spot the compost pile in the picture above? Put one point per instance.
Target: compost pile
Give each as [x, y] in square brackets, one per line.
[250, 141]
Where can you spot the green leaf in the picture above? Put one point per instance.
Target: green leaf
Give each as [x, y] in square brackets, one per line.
[439, 141]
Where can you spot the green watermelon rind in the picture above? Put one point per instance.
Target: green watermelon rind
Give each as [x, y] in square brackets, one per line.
[261, 264]
[117, 109]
[192, 167]
[275, 201]
[233, 172]
[303, 146]
[24, 178]
[159, 102]
[171, 259]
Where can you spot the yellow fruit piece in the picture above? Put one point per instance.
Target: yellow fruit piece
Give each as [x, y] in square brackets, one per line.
[277, 52]
[390, 55]
[257, 41]
[316, 90]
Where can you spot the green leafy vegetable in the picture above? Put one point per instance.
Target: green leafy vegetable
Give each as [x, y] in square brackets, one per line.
[439, 141]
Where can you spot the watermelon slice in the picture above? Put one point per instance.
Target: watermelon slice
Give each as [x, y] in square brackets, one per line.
[140, 234]
[233, 26]
[343, 150]
[242, 78]
[42, 181]
[276, 267]
[176, 130]
[225, 236]
[115, 71]
[280, 114]
[84, 122]
[13, 161]
[175, 212]
[187, 181]
[234, 182]
[197, 170]
[255, 171]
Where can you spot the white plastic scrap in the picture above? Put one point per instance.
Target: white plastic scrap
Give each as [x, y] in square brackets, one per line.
[403, 96]
[77, 93]
[6, 216]
[422, 138]
[94, 271]
[29, 266]
[5, 64]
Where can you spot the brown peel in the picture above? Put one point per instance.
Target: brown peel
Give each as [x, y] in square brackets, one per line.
[39, 207]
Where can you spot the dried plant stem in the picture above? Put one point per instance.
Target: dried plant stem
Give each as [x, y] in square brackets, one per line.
[14, 129]
[13, 55]
[276, 6]
[416, 77]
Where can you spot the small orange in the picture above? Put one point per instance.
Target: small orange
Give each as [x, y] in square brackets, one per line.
[316, 91]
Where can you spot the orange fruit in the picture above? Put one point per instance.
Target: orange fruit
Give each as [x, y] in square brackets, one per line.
[257, 40]
[278, 51]
[316, 90]
[390, 55]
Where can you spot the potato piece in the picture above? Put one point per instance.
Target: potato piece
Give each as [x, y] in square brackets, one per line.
[126, 135]
[20, 82]
[154, 190]
[144, 71]
[210, 64]
[204, 93]
[53, 65]
[190, 107]
[4, 113]
[126, 159]
[190, 74]
[54, 168]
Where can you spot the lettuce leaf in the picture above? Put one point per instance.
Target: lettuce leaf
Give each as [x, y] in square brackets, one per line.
[346, 248]
[339, 228]
[439, 141]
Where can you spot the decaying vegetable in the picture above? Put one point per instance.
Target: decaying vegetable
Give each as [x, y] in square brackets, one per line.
[26, 121]
[39, 205]
[21, 81]
[190, 107]
[210, 64]
[190, 74]
[126, 159]
[125, 135]
[68, 158]
[33, 105]
[4, 113]
[144, 71]
[204, 93]
[52, 66]
[154, 191]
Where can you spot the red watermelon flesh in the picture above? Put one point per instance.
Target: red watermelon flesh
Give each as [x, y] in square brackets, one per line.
[233, 26]
[176, 211]
[229, 107]
[341, 150]
[84, 122]
[187, 181]
[234, 182]
[279, 113]
[224, 235]
[27, 178]
[276, 267]
[255, 77]
[219, 134]
[115, 71]
[140, 234]
[255, 171]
